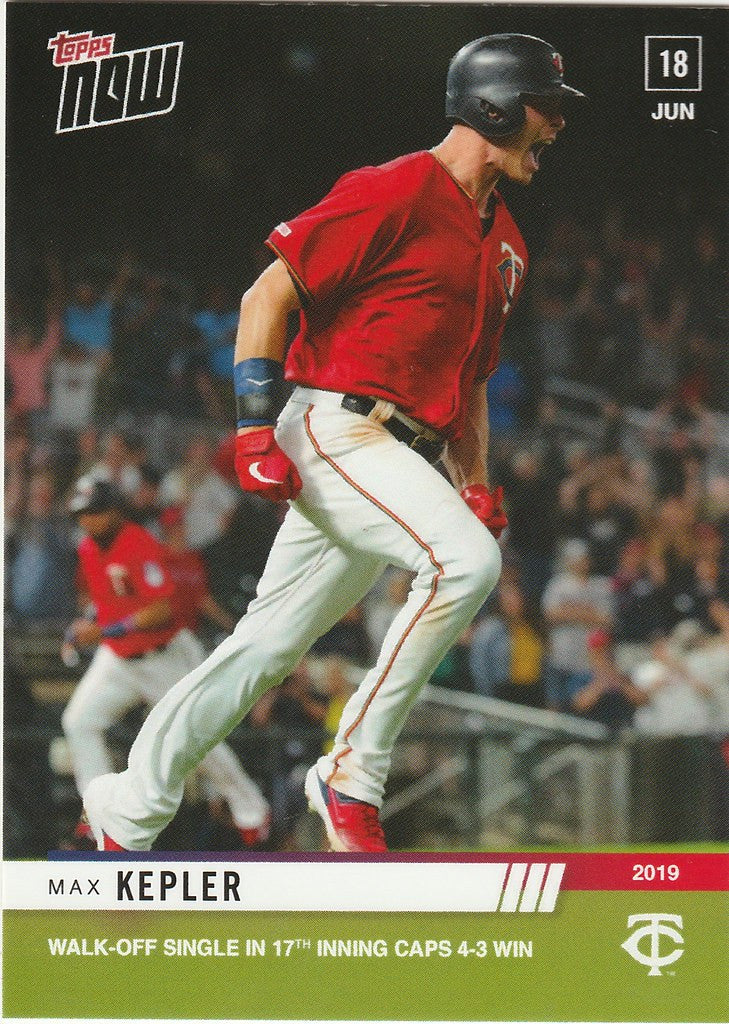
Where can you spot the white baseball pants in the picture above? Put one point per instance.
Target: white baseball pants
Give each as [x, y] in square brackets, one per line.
[367, 500]
[112, 685]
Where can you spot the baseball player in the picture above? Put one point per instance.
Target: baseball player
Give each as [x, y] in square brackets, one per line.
[142, 650]
[403, 276]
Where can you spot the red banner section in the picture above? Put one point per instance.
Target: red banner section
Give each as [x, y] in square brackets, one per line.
[647, 872]
[624, 872]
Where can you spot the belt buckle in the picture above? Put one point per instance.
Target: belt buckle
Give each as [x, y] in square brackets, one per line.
[417, 441]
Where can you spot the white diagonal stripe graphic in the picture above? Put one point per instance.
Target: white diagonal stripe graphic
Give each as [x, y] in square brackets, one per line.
[551, 888]
[512, 891]
[532, 888]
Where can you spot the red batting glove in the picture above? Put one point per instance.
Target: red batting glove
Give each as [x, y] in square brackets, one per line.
[263, 468]
[486, 506]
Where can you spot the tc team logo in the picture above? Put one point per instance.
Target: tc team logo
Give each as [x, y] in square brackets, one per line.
[511, 270]
[102, 87]
[656, 927]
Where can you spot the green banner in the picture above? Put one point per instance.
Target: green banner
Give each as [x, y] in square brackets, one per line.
[590, 960]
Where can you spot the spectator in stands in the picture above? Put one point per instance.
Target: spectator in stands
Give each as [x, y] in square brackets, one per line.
[119, 463]
[701, 370]
[299, 710]
[679, 438]
[574, 604]
[607, 695]
[347, 639]
[605, 523]
[507, 651]
[706, 272]
[217, 322]
[532, 505]
[41, 557]
[453, 673]
[144, 507]
[74, 375]
[506, 395]
[28, 354]
[17, 468]
[148, 332]
[28, 812]
[641, 602]
[208, 501]
[383, 604]
[711, 580]
[661, 324]
[685, 693]
[88, 315]
[674, 544]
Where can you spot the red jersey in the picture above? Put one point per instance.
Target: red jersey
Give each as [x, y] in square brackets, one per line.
[403, 295]
[187, 570]
[122, 579]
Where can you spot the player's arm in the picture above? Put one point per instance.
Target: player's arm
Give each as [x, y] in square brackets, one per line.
[258, 375]
[155, 615]
[261, 335]
[466, 462]
[216, 614]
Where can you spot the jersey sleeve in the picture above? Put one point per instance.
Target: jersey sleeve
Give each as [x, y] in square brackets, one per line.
[335, 244]
[148, 570]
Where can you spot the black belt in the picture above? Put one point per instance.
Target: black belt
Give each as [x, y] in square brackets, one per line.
[429, 447]
[145, 654]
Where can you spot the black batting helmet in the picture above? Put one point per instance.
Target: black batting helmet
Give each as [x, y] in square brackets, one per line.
[490, 79]
[91, 495]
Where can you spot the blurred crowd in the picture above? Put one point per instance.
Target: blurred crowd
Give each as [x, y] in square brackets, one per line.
[614, 599]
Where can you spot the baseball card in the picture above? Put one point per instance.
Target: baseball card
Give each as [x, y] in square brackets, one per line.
[366, 573]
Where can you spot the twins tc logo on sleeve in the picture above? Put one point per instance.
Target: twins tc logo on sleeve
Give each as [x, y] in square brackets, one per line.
[511, 270]
[153, 575]
[102, 87]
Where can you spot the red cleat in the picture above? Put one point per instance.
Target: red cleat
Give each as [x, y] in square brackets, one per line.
[353, 826]
[256, 835]
[91, 816]
[84, 830]
[110, 846]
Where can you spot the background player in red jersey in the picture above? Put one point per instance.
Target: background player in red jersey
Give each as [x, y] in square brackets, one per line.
[143, 649]
[404, 276]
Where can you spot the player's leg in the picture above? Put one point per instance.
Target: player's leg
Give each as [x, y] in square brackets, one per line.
[225, 778]
[379, 496]
[105, 692]
[308, 584]
[222, 771]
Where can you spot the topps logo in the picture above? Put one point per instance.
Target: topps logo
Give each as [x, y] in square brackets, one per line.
[102, 87]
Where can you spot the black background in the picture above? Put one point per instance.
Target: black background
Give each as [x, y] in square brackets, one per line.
[274, 102]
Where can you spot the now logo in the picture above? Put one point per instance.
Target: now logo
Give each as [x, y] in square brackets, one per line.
[102, 88]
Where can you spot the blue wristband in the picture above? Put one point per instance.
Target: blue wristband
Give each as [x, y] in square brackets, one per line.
[116, 630]
[257, 384]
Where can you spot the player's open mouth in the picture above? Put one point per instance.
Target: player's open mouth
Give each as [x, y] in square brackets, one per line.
[535, 151]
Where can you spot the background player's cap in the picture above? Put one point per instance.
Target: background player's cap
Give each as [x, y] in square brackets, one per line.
[491, 78]
[94, 496]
